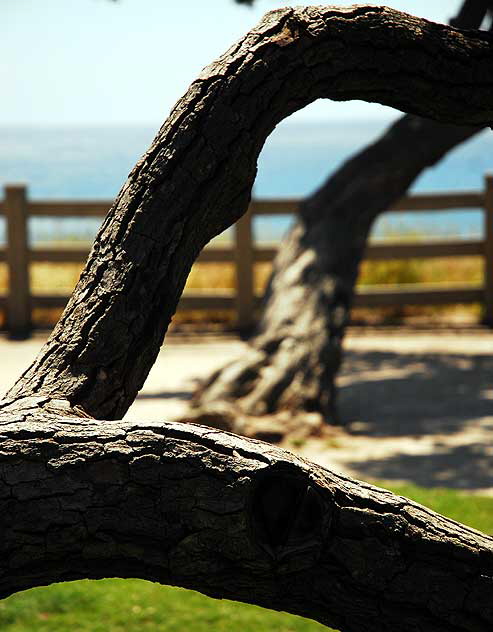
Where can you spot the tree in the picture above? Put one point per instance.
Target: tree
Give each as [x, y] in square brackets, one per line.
[193, 506]
[285, 381]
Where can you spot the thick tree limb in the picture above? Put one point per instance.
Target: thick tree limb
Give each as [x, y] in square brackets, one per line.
[234, 518]
[189, 505]
[471, 14]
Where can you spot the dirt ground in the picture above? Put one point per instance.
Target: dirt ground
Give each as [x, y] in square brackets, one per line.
[418, 407]
[417, 404]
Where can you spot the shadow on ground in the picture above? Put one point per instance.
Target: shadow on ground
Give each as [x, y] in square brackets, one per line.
[437, 410]
[467, 467]
[391, 394]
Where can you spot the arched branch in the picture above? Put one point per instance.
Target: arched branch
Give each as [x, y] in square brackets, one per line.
[197, 176]
[189, 505]
[284, 382]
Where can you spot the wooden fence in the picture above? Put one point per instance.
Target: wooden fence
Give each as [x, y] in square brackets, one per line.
[19, 301]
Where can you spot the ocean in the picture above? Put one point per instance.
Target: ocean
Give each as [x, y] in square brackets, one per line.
[93, 162]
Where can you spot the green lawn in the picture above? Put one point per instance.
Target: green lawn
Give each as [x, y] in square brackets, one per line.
[132, 605]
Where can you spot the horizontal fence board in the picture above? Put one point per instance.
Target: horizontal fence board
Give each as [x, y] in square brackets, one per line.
[442, 248]
[48, 301]
[79, 255]
[377, 296]
[419, 294]
[266, 253]
[267, 206]
[213, 254]
[225, 254]
[221, 299]
[277, 206]
[61, 208]
[58, 255]
[415, 202]
[439, 201]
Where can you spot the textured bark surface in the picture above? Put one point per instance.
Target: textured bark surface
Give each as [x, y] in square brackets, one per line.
[234, 518]
[285, 383]
[192, 506]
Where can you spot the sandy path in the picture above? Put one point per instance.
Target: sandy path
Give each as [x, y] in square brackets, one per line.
[418, 405]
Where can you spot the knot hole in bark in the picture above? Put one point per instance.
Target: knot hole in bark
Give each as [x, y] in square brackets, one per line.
[288, 514]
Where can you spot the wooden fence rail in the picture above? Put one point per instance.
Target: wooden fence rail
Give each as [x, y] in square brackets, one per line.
[20, 301]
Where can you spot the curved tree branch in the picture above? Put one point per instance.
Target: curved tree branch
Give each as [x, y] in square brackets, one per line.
[471, 14]
[189, 505]
[284, 383]
[197, 176]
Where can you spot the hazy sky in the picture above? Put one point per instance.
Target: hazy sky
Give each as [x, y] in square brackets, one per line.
[99, 62]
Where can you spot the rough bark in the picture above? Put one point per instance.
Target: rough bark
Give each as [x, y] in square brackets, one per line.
[193, 506]
[233, 518]
[285, 382]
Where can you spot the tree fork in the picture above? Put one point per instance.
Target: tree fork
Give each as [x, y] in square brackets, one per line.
[188, 505]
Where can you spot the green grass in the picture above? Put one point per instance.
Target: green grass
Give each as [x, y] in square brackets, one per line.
[131, 605]
[114, 605]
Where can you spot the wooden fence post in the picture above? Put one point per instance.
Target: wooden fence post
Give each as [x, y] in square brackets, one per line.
[488, 250]
[18, 299]
[245, 299]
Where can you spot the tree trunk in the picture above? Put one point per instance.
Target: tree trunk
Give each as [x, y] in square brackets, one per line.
[192, 506]
[296, 351]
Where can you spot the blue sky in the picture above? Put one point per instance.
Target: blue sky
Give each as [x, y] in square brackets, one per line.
[97, 62]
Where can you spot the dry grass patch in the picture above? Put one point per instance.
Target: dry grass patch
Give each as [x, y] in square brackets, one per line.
[60, 279]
